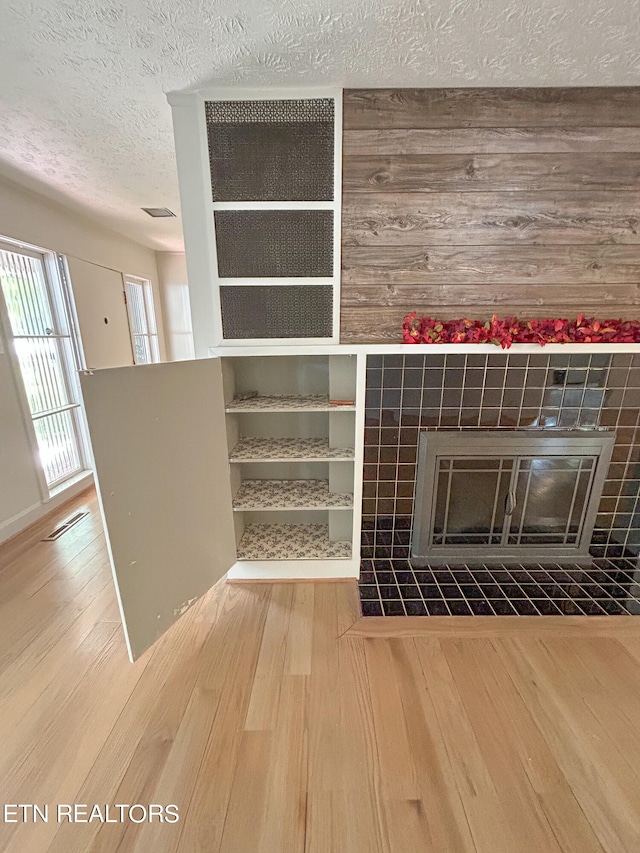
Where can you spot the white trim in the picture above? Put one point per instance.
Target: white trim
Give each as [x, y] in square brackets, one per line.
[310, 348]
[361, 376]
[194, 182]
[337, 212]
[18, 384]
[149, 314]
[60, 495]
[283, 570]
[213, 93]
[526, 349]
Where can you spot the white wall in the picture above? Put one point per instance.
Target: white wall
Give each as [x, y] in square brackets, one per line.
[33, 219]
[174, 292]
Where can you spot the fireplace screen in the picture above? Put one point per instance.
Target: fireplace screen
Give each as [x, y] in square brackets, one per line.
[508, 495]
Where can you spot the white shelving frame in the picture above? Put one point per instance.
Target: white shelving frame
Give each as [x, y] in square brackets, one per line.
[194, 177]
[345, 474]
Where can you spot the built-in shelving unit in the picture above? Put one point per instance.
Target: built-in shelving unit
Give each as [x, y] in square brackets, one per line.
[300, 403]
[290, 542]
[289, 494]
[291, 434]
[288, 450]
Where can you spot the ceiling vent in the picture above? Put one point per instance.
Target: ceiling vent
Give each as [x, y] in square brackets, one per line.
[158, 212]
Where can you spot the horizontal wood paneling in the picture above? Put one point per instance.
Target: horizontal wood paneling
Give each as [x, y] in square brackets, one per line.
[499, 173]
[497, 296]
[491, 140]
[490, 264]
[469, 201]
[384, 325]
[372, 109]
[410, 219]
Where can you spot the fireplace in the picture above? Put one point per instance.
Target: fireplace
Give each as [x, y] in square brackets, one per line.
[521, 495]
[436, 392]
[519, 397]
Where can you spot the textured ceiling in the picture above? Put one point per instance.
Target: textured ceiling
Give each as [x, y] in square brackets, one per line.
[83, 115]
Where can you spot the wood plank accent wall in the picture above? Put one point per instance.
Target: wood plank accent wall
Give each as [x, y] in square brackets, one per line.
[466, 202]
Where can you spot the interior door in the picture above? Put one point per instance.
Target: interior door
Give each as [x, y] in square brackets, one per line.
[98, 295]
[158, 437]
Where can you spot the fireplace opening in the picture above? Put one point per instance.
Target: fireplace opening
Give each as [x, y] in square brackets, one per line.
[508, 495]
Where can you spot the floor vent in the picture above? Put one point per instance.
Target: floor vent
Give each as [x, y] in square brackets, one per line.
[66, 525]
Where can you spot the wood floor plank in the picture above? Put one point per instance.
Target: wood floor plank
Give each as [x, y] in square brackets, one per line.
[221, 699]
[324, 782]
[147, 719]
[60, 754]
[279, 722]
[501, 749]
[358, 816]
[263, 708]
[247, 811]
[489, 823]
[437, 812]
[284, 823]
[580, 744]
[300, 635]
[529, 749]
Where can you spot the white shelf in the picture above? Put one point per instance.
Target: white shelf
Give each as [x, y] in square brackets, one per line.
[288, 450]
[290, 542]
[274, 495]
[312, 403]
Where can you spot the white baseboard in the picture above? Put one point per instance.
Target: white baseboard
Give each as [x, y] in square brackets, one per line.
[28, 516]
[294, 570]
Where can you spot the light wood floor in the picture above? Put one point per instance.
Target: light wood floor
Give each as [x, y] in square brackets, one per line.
[277, 725]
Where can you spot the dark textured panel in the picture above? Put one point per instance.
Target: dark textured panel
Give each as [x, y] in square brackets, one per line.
[291, 311]
[271, 161]
[274, 243]
[294, 109]
[399, 588]
[516, 107]
[271, 150]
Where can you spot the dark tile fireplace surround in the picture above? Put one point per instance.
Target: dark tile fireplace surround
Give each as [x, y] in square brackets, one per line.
[504, 391]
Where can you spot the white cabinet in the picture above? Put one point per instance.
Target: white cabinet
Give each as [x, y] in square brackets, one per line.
[260, 194]
[247, 462]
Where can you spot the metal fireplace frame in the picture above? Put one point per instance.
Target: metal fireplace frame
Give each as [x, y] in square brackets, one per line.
[511, 448]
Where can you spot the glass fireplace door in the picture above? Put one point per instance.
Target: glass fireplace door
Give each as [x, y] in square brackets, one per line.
[550, 499]
[508, 495]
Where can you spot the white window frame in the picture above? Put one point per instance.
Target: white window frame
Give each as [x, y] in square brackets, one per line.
[150, 319]
[61, 306]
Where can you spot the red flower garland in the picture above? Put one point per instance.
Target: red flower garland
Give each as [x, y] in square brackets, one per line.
[510, 330]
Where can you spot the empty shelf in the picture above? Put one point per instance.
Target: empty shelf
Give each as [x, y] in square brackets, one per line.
[313, 403]
[290, 542]
[289, 494]
[287, 450]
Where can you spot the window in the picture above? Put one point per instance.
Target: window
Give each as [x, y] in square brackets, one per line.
[40, 335]
[142, 320]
